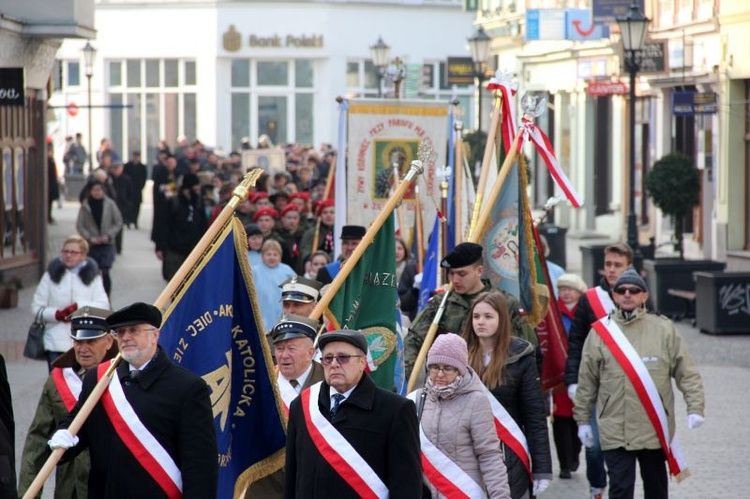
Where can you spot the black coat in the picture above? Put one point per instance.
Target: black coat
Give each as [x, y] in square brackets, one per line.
[174, 405]
[408, 296]
[124, 197]
[380, 425]
[138, 174]
[184, 226]
[521, 395]
[7, 437]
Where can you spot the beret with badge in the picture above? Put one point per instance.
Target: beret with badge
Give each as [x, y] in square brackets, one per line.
[463, 255]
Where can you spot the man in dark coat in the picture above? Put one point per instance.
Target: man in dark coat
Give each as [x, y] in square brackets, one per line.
[165, 187]
[124, 197]
[380, 426]
[7, 437]
[173, 406]
[138, 174]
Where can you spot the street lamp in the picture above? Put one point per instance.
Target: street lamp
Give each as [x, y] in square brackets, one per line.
[479, 46]
[89, 54]
[380, 52]
[633, 29]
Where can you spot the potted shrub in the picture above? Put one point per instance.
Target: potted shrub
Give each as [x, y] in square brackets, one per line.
[674, 187]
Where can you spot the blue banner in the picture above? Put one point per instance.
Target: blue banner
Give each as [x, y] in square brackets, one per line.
[213, 329]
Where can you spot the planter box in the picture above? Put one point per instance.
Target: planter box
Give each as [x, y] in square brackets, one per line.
[673, 273]
[723, 302]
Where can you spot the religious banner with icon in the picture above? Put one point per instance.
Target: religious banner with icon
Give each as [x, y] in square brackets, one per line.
[384, 135]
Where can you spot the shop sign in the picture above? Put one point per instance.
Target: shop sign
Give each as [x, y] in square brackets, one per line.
[692, 103]
[12, 87]
[654, 58]
[607, 11]
[603, 88]
[460, 71]
[232, 40]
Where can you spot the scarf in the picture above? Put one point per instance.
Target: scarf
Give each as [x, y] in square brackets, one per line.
[97, 208]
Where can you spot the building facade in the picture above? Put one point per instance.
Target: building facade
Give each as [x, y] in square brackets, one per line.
[221, 71]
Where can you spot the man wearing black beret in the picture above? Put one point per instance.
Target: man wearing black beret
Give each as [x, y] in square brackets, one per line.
[465, 267]
[347, 437]
[151, 434]
[351, 235]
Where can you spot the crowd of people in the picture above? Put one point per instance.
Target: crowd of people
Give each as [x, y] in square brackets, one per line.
[478, 423]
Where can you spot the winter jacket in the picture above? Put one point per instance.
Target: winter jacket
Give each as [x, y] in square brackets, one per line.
[111, 221]
[623, 421]
[60, 287]
[462, 427]
[521, 394]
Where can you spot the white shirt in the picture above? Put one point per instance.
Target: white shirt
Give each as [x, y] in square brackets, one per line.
[303, 378]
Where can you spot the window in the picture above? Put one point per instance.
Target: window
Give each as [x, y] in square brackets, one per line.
[159, 98]
[73, 78]
[275, 98]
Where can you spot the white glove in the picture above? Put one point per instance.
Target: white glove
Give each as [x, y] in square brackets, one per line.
[572, 391]
[540, 486]
[62, 439]
[417, 281]
[695, 421]
[586, 435]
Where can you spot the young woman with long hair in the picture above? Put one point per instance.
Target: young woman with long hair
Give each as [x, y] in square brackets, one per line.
[507, 367]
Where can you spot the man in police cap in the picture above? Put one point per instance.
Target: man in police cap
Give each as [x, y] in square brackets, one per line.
[293, 338]
[351, 235]
[465, 270]
[367, 438]
[299, 295]
[150, 435]
[92, 344]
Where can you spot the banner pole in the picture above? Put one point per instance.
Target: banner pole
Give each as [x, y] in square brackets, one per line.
[239, 195]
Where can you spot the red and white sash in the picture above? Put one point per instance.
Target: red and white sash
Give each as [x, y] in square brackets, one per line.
[508, 431]
[440, 470]
[138, 439]
[600, 301]
[68, 385]
[648, 394]
[287, 391]
[337, 451]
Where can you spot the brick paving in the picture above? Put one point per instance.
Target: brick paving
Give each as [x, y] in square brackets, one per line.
[714, 452]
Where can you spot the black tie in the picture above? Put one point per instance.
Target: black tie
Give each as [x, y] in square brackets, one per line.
[294, 383]
[337, 398]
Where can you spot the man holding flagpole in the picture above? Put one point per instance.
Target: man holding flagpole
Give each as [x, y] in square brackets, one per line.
[628, 362]
[151, 434]
[347, 437]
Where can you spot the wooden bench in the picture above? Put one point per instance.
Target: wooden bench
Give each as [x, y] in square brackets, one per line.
[688, 297]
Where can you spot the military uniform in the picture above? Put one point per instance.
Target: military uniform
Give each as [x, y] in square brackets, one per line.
[454, 318]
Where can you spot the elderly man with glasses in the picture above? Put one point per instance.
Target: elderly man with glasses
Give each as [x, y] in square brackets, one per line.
[151, 434]
[628, 362]
[347, 437]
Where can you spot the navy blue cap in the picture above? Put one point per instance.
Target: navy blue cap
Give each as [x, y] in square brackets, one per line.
[137, 313]
[89, 323]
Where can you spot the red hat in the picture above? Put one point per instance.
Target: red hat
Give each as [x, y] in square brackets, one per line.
[288, 208]
[324, 204]
[300, 195]
[265, 212]
[257, 196]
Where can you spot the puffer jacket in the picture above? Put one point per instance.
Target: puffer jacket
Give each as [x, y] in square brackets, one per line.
[521, 394]
[462, 427]
[623, 421]
[60, 287]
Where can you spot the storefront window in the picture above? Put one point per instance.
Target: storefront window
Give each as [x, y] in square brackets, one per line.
[134, 124]
[152, 73]
[134, 72]
[171, 73]
[153, 118]
[303, 121]
[240, 118]
[115, 74]
[115, 121]
[74, 74]
[352, 74]
[273, 73]
[272, 117]
[240, 73]
[190, 116]
[189, 72]
[303, 73]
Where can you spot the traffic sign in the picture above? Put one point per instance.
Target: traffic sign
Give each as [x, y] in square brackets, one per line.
[72, 109]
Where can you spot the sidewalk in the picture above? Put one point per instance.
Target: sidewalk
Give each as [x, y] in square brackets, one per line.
[715, 452]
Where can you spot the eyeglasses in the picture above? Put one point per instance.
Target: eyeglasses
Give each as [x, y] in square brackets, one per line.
[342, 359]
[435, 369]
[71, 252]
[133, 331]
[633, 291]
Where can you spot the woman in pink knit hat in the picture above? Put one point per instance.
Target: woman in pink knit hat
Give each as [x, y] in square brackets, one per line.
[507, 367]
[458, 436]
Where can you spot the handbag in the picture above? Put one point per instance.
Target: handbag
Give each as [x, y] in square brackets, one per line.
[34, 348]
